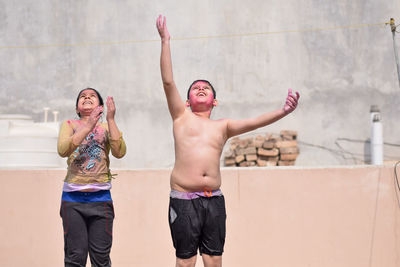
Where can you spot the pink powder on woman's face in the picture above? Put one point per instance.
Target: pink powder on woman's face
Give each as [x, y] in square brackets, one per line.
[89, 95]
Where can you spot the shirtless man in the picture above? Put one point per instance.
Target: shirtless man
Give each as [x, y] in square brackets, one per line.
[197, 207]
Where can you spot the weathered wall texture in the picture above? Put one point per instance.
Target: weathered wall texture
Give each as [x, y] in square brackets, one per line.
[49, 50]
[303, 217]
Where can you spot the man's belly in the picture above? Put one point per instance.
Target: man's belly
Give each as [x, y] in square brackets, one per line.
[195, 180]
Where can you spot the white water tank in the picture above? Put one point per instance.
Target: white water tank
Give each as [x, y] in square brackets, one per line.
[27, 144]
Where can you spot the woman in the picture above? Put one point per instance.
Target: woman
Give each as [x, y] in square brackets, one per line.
[87, 209]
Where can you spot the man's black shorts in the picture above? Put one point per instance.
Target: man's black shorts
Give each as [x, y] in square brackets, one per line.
[197, 223]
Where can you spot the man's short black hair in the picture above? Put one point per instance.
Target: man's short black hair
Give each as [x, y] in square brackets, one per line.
[101, 102]
[212, 88]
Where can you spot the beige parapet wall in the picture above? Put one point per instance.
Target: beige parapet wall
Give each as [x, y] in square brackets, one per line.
[277, 216]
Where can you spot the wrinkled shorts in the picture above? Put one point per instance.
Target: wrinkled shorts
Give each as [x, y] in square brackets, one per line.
[197, 221]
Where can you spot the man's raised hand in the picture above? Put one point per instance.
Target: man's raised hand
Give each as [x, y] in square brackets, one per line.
[162, 28]
[291, 101]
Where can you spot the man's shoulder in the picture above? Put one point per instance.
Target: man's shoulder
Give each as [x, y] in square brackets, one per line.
[221, 121]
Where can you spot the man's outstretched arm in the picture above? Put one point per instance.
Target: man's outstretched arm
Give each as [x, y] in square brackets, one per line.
[175, 104]
[236, 127]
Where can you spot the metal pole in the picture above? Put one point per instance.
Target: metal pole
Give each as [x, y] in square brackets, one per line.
[376, 136]
[393, 28]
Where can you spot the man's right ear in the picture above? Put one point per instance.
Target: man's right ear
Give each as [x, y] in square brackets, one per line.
[215, 102]
[187, 103]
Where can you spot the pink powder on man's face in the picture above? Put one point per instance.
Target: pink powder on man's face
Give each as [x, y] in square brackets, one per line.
[195, 99]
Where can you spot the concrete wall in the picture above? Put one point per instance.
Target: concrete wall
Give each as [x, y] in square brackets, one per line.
[49, 50]
[348, 217]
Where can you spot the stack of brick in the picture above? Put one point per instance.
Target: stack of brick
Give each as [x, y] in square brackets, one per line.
[263, 150]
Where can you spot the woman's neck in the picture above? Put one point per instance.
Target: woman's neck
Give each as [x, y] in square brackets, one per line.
[84, 118]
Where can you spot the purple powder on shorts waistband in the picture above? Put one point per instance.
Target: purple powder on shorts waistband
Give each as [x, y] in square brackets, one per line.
[193, 195]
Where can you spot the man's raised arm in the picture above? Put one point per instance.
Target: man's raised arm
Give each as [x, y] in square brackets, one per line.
[236, 127]
[175, 104]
